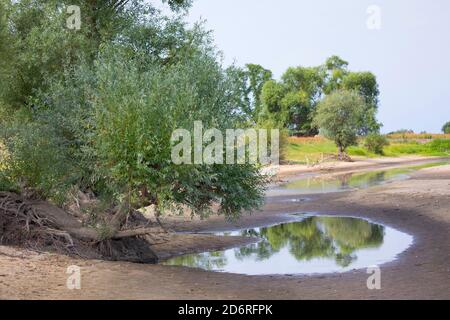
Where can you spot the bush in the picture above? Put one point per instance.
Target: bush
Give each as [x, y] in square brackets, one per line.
[35, 159]
[446, 128]
[375, 143]
[107, 129]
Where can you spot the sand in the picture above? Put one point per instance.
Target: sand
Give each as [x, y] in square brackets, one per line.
[419, 206]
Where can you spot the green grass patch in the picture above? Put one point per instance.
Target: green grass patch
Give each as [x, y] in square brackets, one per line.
[438, 147]
[313, 150]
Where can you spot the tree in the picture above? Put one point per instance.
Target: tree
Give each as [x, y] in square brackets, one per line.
[93, 115]
[446, 128]
[249, 82]
[301, 88]
[273, 112]
[257, 77]
[335, 70]
[365, 83]
[39, 46]
[339, 117]
[291, 102]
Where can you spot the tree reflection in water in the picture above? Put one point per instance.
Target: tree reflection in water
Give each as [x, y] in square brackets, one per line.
[316, 237]
[207, 260]
[313, 237]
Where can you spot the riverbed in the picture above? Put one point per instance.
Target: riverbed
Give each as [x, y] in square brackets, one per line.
[417, 206]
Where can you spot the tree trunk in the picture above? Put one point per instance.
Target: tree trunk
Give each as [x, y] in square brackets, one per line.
[341, 152]
[342, 155]
[47, 219]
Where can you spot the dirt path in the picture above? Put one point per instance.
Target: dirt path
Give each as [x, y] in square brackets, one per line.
[419, 206]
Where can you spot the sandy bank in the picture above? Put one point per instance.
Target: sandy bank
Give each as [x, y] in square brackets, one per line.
[419, 206]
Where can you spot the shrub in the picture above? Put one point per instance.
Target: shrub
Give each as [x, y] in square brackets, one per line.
[375, 143]
[107, 129]
[446, 128]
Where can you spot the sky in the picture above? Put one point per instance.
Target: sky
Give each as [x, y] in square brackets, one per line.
[409, 52]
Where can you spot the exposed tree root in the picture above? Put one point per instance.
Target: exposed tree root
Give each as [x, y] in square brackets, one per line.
[21, 223]
[344, 157]
[40, 224]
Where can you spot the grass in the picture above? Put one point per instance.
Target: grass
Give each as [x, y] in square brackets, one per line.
[438, 147]
[417, 136]
[310, 150]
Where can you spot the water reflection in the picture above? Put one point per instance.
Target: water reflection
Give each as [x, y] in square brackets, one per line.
[349, 181]
[314, 244]
[345, 181]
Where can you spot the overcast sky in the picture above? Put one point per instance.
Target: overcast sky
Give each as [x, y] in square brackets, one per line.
[409, 54]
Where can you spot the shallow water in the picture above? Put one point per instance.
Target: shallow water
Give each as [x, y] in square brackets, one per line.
[313, 244]
[344, 182]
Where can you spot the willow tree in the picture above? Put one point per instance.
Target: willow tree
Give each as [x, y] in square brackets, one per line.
[340, 117]
[94, 120]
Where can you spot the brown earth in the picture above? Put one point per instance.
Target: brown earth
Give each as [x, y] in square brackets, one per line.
[419, 206]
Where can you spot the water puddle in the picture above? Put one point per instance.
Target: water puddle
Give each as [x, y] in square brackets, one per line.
[345, 182]
[313, 244]
[291, 200]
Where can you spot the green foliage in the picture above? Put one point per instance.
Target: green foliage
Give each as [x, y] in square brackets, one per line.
[338, 77]
[338, 117]
[440, 145]
[365, 83]
[95, 111]
[336, 70]
[135, 115]
[302, 91]
[315, 150]
[179, 4]
[273, 112]
[36, 160]
[257, 77]
[437, 147]
[375, 143]
[41, 47]
[406, 148]
[311, 238]
[248, 84]
[446, 128]
[292, 101]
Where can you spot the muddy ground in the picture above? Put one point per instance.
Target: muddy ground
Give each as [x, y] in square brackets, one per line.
[419, 206]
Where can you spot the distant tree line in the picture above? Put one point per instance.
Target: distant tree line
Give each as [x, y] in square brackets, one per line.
[291, 102]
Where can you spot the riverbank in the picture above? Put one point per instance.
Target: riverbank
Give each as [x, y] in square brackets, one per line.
[359, 163]
[310, 150]
[418, 206]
